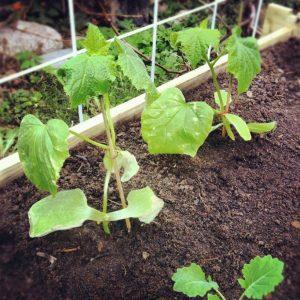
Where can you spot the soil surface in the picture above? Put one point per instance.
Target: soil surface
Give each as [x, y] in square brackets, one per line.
[233, 201]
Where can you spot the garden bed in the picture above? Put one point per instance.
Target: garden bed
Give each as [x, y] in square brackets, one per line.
[233, 201]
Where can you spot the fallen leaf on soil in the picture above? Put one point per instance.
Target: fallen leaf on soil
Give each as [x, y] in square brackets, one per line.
[296, 224]
[145, 255]
[51, 258]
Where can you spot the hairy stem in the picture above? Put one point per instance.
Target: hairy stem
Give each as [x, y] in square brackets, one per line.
[105, 200]
[215, 82]
[220, 294]
[229, 91]
[88, 140]
[110, 132]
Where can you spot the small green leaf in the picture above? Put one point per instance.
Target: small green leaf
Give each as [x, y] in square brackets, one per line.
[126, 161]
[261, 276]
[170, 125]
[195, 42]
[192, 282]
[261, 127]
[86, 76]
[244, 60]
[132, 66]
[223, 96]
[142, 204]
[43, 150]
[65, 210]
[204, 23]
[228, 128]
[240, 126]
[212, 297]
[95, 42]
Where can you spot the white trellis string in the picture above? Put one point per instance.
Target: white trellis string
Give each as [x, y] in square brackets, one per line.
[74, 45]
[69, 55]
[213, 24]
[257, 17]
[154, 39]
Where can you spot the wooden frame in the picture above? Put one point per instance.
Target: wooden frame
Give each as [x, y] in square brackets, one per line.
[11, 168]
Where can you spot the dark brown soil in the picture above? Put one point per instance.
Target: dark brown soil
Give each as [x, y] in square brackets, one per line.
[234, 201]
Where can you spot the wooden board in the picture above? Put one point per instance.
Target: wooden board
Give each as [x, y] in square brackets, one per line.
[11, 168]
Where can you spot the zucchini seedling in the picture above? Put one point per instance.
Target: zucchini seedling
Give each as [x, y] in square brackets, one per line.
[172, 125]
[43, 148]
[260, 277]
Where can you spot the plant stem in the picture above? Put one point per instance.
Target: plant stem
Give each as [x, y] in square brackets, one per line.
[110, 132]
[105, 199]
[220, 294]
[88, 140]
[229, 91]
[242, 296]
[215, 81]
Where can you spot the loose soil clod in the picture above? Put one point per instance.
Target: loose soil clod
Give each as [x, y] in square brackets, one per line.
[234, 201]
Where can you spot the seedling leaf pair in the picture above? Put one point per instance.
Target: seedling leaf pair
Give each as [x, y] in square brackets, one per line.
[261, 276]
[69, 209]
[170, 125]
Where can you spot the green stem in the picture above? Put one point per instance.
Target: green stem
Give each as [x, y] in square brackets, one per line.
[109, 119]
[242, 296]
[105, 200]
[88, 140]
[215, 81]
[220, 294]
[110, 133]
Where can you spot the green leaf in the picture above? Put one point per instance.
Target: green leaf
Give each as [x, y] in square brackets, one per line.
[195, 42]
[126, 161]
[43, 148]
[223, 96]
[192, 282]
[142, 204]
[212, 297]
[132, 66]
[151, 94]
[244, 60]
[65, 210]
[261, 127]
[240, 126]
[86, 76]
[95, 42]
[228, 128]
[261, 276]
[170, 125]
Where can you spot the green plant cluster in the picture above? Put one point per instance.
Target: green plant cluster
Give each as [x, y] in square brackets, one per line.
[169, 125]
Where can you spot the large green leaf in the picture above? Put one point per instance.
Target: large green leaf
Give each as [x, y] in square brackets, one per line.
[170, 125]
[142, 204]
[65, 210]
[86, 76]
[261, 127]
[240, 126]
[261, 276]
[124, 160]
[132, 66]
[195, 42]
[95, 42]
[192, 282]
[43, 148]
[244, 60]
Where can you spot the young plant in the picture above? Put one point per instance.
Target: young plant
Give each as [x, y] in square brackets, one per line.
[43, 148]
[260, 277]
[170, 125]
